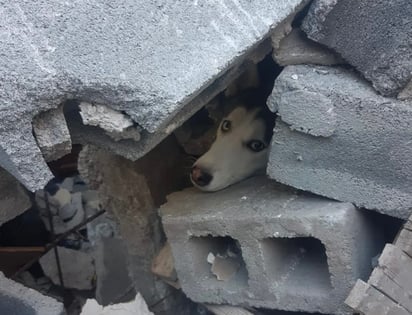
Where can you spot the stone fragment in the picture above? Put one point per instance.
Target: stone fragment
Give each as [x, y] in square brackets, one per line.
[117, 125]
[52, 134]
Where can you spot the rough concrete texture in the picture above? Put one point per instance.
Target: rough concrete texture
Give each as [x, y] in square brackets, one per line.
[299, 252]
[149, 59]
[296, 48]
[338, 138]
[372, 35]
[52, 134]
[16, 299]
[117, 125]
[131, 192]
[14, 199]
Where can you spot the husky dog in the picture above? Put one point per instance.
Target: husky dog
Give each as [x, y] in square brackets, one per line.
[240, 149]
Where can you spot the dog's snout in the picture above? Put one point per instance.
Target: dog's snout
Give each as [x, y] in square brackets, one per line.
[201, 177]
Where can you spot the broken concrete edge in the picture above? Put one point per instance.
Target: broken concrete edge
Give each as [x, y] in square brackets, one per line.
[18, 299]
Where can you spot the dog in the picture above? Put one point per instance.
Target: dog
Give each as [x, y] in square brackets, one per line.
[241, 147]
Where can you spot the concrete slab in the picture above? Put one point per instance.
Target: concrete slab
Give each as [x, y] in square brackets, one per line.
[372, 35]
[338, 138]
[16, 299]
[148, 59]
[296, 251]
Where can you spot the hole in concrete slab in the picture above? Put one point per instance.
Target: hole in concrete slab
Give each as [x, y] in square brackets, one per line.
[295, 264]
[219, 257]
[12, 305]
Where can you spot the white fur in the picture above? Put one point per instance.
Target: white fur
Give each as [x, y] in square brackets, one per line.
[229, 160]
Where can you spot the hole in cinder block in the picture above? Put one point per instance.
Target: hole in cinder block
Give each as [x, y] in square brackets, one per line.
[229, 262]
[294, 264]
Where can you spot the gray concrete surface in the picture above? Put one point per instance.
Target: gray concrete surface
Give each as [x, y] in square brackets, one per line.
[148, 59]
[14, 199]
[16, 299]
[298, 252]
[372, 35]
[52, 134]
[338, 138]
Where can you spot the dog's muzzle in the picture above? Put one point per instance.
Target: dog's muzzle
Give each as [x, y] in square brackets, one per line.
[200, 177]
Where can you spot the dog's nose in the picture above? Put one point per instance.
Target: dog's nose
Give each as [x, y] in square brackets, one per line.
[200, 177]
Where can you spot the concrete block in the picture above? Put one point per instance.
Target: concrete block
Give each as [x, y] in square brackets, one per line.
[154, 61]
[338, 138]
[52, 134]
[294, 251]
[374, 36]
[16, 299]
[14, 199]
[295, 48]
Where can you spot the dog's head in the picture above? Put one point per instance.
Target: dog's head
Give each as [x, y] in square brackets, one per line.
[239, 151]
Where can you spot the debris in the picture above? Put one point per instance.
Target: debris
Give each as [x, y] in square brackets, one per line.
[136, 307]
[116, 124]
[77, 268]
[210, 258]
[225, 267]
[163, 266]
[52, 134]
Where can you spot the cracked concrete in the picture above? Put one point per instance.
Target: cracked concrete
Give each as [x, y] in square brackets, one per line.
[155, 61]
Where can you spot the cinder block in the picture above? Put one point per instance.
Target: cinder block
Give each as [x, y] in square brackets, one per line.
[293, 250]
[338, 138]
[16, 299]
[372, 35]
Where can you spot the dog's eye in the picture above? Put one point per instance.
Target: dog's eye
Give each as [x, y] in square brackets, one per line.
[226, 124]
[256, 145]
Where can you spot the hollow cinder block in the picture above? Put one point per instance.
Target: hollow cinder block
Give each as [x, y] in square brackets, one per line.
[292, 250]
